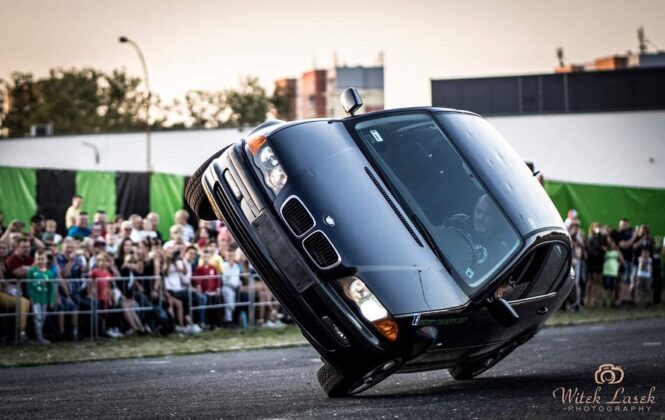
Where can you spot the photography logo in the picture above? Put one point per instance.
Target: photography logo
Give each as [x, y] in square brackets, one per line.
[609, 396]
[609, 374]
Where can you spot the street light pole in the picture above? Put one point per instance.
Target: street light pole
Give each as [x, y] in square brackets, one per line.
[148, 149]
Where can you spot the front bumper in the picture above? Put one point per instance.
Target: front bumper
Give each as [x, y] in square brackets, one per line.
[343, 339]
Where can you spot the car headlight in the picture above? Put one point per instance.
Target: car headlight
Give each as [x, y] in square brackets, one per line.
[370, 306]
[274, 176]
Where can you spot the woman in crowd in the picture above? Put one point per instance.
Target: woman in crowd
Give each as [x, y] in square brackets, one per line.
[177, 291]
[151, 286]
[129, 268]
[643, 277]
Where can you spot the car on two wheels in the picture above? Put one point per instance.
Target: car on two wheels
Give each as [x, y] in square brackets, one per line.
[399, 241]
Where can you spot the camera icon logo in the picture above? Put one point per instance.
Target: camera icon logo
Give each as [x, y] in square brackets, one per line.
[609, 374]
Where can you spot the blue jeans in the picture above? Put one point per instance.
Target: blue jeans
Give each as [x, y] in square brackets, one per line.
[629, 270]
[229, 294]
[201, 299]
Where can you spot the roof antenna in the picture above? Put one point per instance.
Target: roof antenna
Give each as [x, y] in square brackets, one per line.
[642, 40]
[559, 56]
[642, 37]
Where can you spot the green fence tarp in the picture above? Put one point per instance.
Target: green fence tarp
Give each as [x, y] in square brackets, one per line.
[166, 192]
[18, 194]
[98, 191]
[608, 204]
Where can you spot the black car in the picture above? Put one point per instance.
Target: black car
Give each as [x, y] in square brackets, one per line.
[399, 241]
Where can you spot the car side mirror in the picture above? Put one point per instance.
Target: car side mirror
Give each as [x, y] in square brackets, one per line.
[504, 313]
[351, 101]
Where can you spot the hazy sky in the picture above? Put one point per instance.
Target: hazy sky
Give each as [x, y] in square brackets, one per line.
[210, 44]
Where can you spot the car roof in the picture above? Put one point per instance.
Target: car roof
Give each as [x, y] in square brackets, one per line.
[277, 125]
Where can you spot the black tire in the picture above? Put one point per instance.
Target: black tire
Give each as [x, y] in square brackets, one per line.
[462, 373]
[334, 384]
[194, 194]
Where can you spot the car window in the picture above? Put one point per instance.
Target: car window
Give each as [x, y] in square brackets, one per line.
[442, 190]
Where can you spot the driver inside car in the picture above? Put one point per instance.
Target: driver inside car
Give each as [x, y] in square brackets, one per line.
[483, 232]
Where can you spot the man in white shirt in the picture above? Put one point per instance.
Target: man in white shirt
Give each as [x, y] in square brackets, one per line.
[231, 284]
[138, 234]
[188, 233]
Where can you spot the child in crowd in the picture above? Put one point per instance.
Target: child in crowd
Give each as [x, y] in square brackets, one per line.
[99, 289]
[50, 236]
[611, 272]
[42, 292]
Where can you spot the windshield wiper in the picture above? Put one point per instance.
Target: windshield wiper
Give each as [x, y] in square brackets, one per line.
[430, 241]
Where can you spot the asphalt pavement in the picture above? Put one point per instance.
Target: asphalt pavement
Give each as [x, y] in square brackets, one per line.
[282, 384]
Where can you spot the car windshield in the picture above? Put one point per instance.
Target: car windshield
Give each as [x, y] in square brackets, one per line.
[442, 193]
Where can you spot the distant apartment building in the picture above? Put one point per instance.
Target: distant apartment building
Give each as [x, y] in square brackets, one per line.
[616, 62]
[367, 80]
[312, 94]
[316, 93]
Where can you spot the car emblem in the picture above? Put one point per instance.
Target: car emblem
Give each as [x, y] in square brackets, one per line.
[416, 320]
[328, 220]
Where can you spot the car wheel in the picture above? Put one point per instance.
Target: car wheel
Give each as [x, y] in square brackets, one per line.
[336, 385]
[465, 372]
[194, 194]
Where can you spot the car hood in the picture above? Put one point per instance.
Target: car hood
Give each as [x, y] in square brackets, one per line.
[334, 180]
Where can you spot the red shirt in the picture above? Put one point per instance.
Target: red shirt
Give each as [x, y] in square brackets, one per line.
[209, 283]
[102, 278]
[14, 262]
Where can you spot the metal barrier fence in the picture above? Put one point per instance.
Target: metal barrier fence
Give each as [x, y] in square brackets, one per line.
[15, 289]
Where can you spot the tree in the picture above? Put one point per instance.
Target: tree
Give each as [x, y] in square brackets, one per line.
[283, 101]
[249, 104]
[205, 109]
[122, 103]
[20, 100]
[76, 101]
[69, 99]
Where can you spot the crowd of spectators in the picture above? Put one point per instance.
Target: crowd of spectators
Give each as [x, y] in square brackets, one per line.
[109, 278]
[614, 266]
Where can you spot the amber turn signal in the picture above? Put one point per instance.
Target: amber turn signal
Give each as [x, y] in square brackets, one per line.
[387, 327]
[255, 143]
